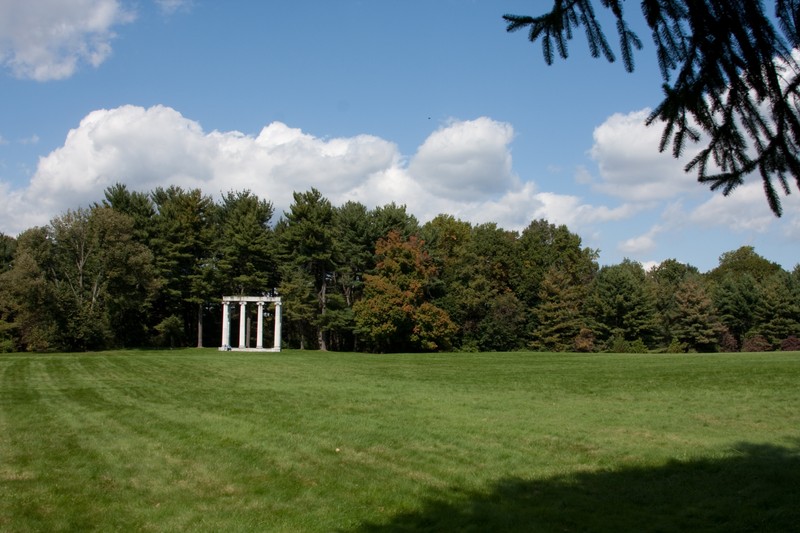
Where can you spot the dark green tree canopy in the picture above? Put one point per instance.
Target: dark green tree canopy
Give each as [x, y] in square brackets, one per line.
[731, 80]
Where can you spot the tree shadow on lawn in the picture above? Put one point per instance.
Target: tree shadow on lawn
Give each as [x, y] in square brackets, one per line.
[757, 489]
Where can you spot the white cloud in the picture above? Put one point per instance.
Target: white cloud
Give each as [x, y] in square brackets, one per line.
[48, 39]
[570, 211]
[147, 148]
[631, 167]
[744, 209]
[157, 146]
[650, 265]
[465, 160]
[641, 244]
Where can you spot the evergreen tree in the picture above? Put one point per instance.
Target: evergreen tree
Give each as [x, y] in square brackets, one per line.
[137, 205]
[300, 306]
[736, 298]
[393, 217]
[182, 242]
[356, 237]
[730, 79]
[778, 309]
[665, 280]
[246, 248]
[560, 317]
[696, 326]
[621, 304]
[308, 243]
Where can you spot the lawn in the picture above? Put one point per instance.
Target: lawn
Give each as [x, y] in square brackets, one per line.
[201, 440]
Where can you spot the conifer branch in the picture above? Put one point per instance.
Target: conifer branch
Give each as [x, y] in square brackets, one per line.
[730, 79]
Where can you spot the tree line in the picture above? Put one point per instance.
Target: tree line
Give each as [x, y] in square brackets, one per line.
[149, 269]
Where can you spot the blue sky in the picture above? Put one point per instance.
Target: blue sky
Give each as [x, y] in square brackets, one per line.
[427, 103]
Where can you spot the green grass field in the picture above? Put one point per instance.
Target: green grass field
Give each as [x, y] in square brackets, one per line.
[201, 440]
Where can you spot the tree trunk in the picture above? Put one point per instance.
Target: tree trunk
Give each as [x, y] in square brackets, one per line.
[323, 304]
[200, 325]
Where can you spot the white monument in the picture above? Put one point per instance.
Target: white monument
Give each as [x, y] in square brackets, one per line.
[244, 339]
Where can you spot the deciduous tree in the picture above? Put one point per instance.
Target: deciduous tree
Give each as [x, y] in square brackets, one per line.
[542, 246]
[28, 304]
[395, 313]
[7, 246]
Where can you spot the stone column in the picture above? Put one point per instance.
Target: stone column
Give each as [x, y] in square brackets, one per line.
[226, 326]
[260, 328]
[277, 343]
[242, 324]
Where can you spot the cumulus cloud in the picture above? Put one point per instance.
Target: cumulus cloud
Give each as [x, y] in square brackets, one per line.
[49, 39]
[631, 167]
[466, 159]
[145, 148]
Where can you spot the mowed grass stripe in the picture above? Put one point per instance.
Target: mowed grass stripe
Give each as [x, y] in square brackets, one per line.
[183, 455]
[303, 441]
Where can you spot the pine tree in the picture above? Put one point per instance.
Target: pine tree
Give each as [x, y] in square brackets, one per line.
[246, 248]
[308, 243]
[183, 245]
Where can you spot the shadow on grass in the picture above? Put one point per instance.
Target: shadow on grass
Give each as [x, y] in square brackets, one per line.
[755, 489]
